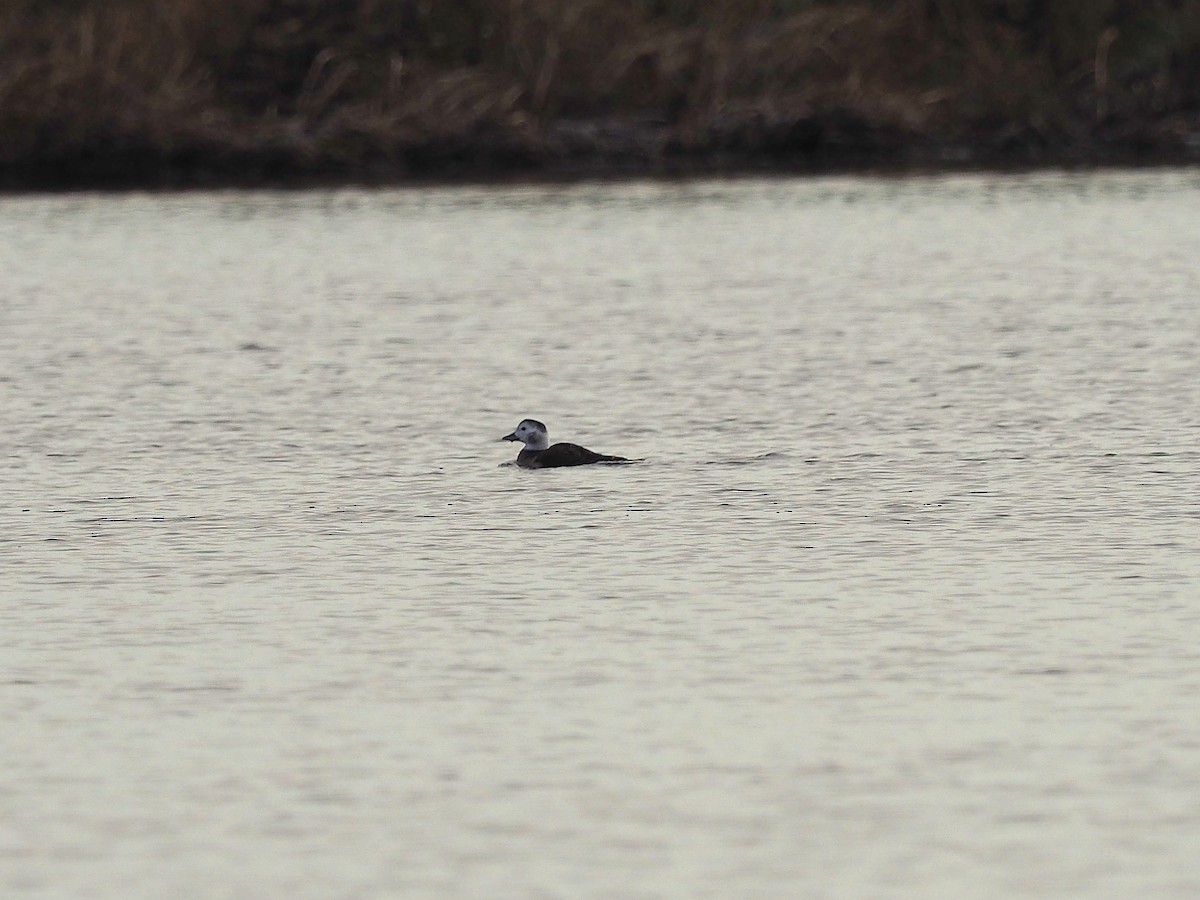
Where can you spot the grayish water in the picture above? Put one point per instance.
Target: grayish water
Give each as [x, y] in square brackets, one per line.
[902, 602]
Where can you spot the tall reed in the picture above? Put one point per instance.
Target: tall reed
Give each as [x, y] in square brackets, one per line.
[163, 88]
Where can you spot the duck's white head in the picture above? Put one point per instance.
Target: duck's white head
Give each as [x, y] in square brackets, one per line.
[530, 432]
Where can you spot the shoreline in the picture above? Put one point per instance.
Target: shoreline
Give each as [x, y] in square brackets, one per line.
[176, 94]
[117, 175]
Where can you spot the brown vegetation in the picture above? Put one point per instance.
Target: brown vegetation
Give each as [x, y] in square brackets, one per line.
[167, 91]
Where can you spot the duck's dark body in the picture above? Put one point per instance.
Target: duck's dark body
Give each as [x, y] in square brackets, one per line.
[562, 455]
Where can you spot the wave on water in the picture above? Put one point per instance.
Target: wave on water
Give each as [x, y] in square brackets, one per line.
[772, 456]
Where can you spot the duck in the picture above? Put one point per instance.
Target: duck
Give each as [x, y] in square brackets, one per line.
[539, 453]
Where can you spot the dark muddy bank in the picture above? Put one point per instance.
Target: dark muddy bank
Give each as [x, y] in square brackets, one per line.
[184, 92]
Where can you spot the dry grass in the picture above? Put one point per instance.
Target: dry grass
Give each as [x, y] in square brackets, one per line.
[148, 90]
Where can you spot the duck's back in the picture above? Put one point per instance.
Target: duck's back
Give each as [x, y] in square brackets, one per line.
[563, 454]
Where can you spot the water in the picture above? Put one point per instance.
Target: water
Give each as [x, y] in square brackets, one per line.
[902, 600]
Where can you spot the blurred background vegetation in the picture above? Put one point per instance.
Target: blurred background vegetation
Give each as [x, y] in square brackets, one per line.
[187, 91]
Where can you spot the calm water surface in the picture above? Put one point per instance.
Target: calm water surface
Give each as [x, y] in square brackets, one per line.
[904, 600]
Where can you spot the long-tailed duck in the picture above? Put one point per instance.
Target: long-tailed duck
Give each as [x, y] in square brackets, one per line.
[538, 453]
